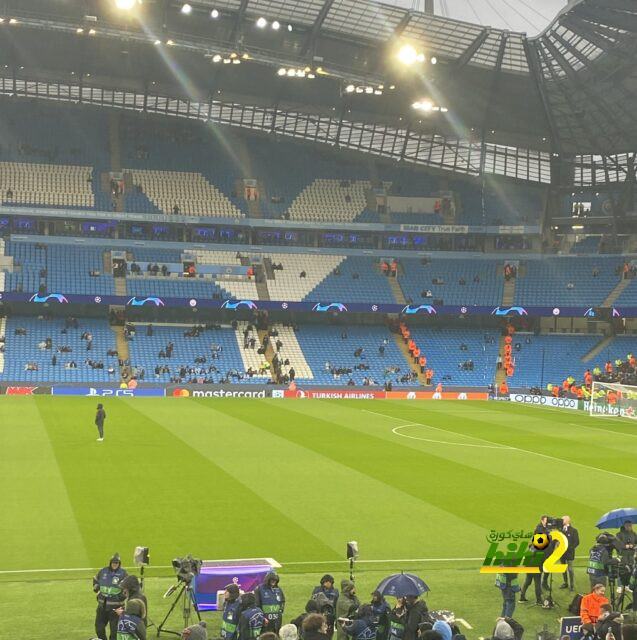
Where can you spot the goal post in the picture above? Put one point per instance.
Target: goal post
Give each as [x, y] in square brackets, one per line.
[610, 400]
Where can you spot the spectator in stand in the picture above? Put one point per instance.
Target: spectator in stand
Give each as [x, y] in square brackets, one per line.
[504, 388]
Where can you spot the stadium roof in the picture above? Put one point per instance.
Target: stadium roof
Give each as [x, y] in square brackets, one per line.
[567, 90]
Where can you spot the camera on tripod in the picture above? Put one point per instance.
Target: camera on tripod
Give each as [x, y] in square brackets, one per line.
[187, 568]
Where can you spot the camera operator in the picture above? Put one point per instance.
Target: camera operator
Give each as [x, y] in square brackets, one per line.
[107, 586]
[600, 560]
[251, 618]
[535, 578]
[327, 588]
[271, 600]
[572, 535]
[132, 590]
[609, 621]
[362, 628]
[380, 612]
[626, 542]
[230, 616]
[346, 605]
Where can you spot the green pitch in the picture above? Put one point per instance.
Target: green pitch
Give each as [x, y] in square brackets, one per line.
[419, 485]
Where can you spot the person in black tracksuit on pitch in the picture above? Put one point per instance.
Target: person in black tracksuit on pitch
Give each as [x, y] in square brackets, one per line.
[535, 578]
[100, 416]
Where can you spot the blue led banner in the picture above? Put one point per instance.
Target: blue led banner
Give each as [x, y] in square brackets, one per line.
[58, 298]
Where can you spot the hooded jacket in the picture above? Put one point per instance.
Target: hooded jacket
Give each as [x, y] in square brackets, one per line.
[346, 605]
[271, 600]
[131, 584]
[612, 622]
[591, 607]
[416, 613]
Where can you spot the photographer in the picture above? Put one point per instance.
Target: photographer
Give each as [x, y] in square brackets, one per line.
[230, 616]
[572, 535]
[535, 578]
[251, 618]
[380, 613]
[362, 628]
[626, 542]
[346, 605]
[599, 559]
[327, 588]
[271, 600]
[106, 584]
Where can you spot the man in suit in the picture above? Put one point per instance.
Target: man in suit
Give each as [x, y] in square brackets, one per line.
[573, 542]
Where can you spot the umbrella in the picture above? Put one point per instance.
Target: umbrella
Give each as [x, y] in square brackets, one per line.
[616, 518]
[402, 584]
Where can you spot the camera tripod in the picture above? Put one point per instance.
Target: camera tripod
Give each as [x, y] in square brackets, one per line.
[187, 598]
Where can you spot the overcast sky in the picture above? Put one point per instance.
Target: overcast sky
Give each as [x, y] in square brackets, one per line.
[529, 16]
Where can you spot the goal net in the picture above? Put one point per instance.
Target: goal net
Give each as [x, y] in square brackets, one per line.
[612, 400]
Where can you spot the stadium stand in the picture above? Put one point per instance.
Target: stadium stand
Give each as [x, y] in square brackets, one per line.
[3, 326]
[547, 281]
[182, 192]
[22, 351]
[186, 164]
[291, 350]
[589, 244]
[550, 358]
[229, 365]
[328, 349]
[330, 199]
[48, 265]
[49, 152]
[482, 283]
[445, 355]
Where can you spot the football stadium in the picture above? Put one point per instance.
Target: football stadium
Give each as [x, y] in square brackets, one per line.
[317, 319]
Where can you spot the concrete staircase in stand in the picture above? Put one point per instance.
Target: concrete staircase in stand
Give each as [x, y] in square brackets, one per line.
[122, 350]
[598, 348]
[408, 358]
[609, 301]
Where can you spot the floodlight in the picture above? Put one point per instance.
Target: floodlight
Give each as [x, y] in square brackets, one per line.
[444, 109]
[214, 13]
[157, 41]
[125, 5]
[91, 32]
[311, 76]
[350, 88]
[281, 71]
[359, 89]
[420, 57]
[369, 89]
[186, 9]
[427, 106]
[289, 27]
[13, 21]
[291, 73]
[407, 54]
[79, 30]
[434, 60]
[276, 25]
[227, 61]
[262, 23]
[300, 73]
[216, 58]
[236, 61]
[170, 42]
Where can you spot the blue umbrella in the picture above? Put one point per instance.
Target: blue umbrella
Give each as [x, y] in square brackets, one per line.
[402, 584]
[615, 519]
